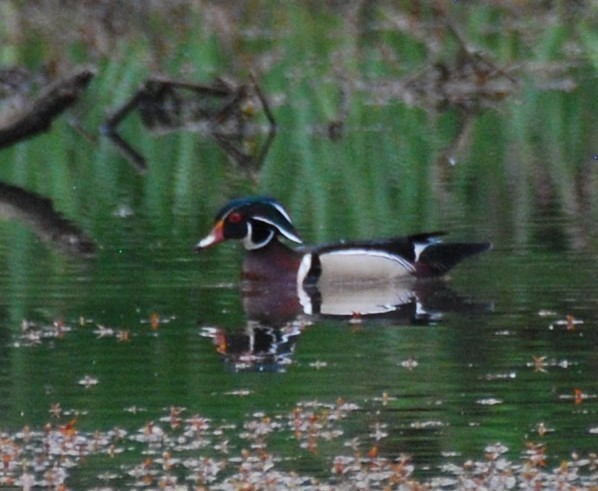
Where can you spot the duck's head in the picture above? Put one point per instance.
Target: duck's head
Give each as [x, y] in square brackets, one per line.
[254, 220]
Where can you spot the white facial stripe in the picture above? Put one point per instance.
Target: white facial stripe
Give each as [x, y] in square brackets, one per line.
[282, 230]
[282, 211]
[248, 242]
[247, 239]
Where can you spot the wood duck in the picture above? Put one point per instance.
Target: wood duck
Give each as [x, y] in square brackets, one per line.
[260, 223]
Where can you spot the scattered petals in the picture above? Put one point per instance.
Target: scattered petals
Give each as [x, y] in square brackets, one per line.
[33, 334]
[570, 322]
[490, 401]
[88, 381]
[123, 335]
[546, 313]
[239, 393]
[196, 450]
[379, 432]
[496, 449]
[577, 396]
[123, 211]
[409, 363]
[135, 409]
[542, 429]
[103, 331]
[501, 376]
[539, 363]
[55, 410]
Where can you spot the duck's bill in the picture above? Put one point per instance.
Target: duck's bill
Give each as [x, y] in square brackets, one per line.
[213, 238]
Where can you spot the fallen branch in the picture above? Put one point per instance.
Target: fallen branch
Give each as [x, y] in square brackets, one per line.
[38, 117]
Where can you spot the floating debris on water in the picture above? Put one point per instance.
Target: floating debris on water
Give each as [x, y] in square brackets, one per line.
[409, 363]
[88, 381]
[541, 363]
[489, 401]
[103, 331]
[123, 211]
[318, 364]
[238, 393]
[570, 322]
[542, 429]
[174, 452]
[501, 376]
[32, 333]
[546, 313]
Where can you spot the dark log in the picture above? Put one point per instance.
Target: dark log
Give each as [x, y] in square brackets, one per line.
[39, 115]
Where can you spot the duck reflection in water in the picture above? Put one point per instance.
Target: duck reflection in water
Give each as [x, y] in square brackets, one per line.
[276, 317]
[389, 279]
[258, 347]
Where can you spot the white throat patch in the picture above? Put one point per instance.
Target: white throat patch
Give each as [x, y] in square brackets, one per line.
[248, 242]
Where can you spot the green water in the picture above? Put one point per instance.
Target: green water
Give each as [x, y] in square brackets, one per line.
[496, 358]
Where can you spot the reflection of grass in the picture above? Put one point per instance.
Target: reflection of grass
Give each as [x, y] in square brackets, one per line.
[379, 174]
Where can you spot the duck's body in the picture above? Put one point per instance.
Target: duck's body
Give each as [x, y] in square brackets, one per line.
[419, 256]
[259, 222]
[273, 263]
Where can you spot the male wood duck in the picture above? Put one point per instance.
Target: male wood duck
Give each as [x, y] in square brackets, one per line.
[260, 223]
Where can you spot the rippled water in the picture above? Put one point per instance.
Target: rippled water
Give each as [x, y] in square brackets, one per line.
[504, 352]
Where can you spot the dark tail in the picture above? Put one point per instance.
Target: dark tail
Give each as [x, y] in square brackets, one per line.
[437, 259]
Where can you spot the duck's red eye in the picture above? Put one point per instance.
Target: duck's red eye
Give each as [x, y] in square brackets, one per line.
[235, 217]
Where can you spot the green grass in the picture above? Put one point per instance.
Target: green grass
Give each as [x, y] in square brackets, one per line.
[383, 175]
